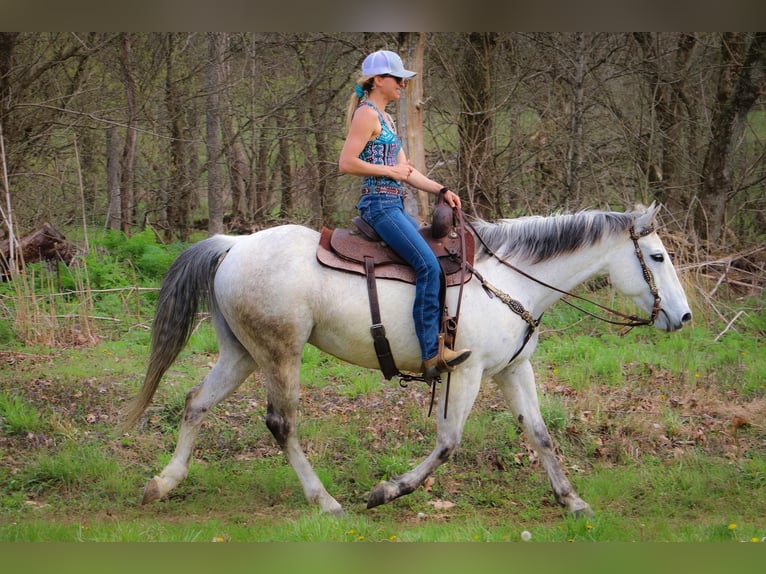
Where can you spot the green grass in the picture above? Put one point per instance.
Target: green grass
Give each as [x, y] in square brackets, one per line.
[18, 417]
[319, 370]
[735, 361]
[672, 503]
[77, 466]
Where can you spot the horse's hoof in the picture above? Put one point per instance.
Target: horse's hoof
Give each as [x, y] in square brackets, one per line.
[151, 491]
[337, 512]
[329, 505]
[382, 493]
[582, 511]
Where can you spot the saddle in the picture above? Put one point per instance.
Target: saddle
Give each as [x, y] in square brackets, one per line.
[348, 249]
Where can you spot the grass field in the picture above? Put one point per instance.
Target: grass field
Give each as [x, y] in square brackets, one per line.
[662, 434]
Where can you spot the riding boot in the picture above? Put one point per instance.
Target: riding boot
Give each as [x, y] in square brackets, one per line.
[445, 360]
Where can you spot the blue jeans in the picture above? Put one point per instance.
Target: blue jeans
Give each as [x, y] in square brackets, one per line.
[385, 213]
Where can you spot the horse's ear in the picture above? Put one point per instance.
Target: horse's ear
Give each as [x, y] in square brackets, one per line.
[647, 216]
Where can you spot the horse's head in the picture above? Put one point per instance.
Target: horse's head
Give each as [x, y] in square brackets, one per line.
[643, 271]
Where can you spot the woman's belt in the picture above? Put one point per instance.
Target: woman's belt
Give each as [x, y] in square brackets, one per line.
[382, 189]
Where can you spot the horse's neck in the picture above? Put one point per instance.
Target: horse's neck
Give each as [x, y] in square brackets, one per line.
[564, 273]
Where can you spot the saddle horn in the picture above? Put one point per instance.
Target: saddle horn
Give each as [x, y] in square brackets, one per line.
[442, 219]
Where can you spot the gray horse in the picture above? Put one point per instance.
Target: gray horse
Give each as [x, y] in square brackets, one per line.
[268, 296]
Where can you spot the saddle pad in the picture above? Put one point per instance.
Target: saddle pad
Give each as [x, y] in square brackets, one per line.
[345, 250]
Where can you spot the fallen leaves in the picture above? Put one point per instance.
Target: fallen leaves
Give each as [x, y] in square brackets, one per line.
[428, 483]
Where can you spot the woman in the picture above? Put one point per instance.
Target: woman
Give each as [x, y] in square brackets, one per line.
[373, 150]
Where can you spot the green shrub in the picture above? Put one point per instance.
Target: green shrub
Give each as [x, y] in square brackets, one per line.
[141, 252]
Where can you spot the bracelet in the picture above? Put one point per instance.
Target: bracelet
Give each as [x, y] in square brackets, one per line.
[444, 190]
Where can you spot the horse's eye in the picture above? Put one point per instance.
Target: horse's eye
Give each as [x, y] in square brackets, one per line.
[658, 257]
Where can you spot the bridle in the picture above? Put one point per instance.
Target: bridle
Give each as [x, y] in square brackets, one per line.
[628, 320]
[648, 276]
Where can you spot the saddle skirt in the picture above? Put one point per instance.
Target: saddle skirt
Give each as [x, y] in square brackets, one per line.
[346, 250]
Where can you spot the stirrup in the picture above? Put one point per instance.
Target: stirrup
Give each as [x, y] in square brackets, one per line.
[446, 360]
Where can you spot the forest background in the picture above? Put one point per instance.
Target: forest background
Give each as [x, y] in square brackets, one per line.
[122, 141]
[232, 132]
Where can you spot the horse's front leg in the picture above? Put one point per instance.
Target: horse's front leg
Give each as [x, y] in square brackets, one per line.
[518, 385]
[464, 387]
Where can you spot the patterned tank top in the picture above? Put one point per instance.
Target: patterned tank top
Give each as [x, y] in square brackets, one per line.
[381, 151]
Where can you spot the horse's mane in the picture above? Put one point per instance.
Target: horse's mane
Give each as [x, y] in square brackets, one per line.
[537, 238]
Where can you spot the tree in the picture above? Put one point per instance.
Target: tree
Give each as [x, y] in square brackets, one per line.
[476, 123]
[517, 122]
[741, 80]
[128, 159]
[576, 143]
[7, 44]
[216, 46]
[664, 150]
[40, 77]
[284, 162]
[236, 160]
[410, 117]
[177, 195]
[114, 204]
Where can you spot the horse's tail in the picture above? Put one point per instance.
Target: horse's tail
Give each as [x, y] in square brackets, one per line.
[187, 284]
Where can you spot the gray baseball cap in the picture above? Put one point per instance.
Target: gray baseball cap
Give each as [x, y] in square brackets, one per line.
[385, 62]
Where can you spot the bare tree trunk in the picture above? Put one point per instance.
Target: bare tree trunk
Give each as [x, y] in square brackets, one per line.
[168, 210]
[261, 195]
[239, 170]
[410, 117]
[325, 164]
[113, 213]
[253, 193]
[127, 161]
[7, 46]
[129, 150]
[89, 158]
[742, 78]
[283, 161]
[126, 184]
[11, 260]
[574, 151]
[476, 124]
[236, 160]
[216, 44]
[176, 205]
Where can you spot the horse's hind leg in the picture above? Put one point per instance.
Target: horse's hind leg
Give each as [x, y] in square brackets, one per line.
[283, 376]
[232, 368]
[518, 385]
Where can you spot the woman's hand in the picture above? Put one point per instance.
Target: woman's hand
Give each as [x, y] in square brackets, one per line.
[452, 199]
[401, 171]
